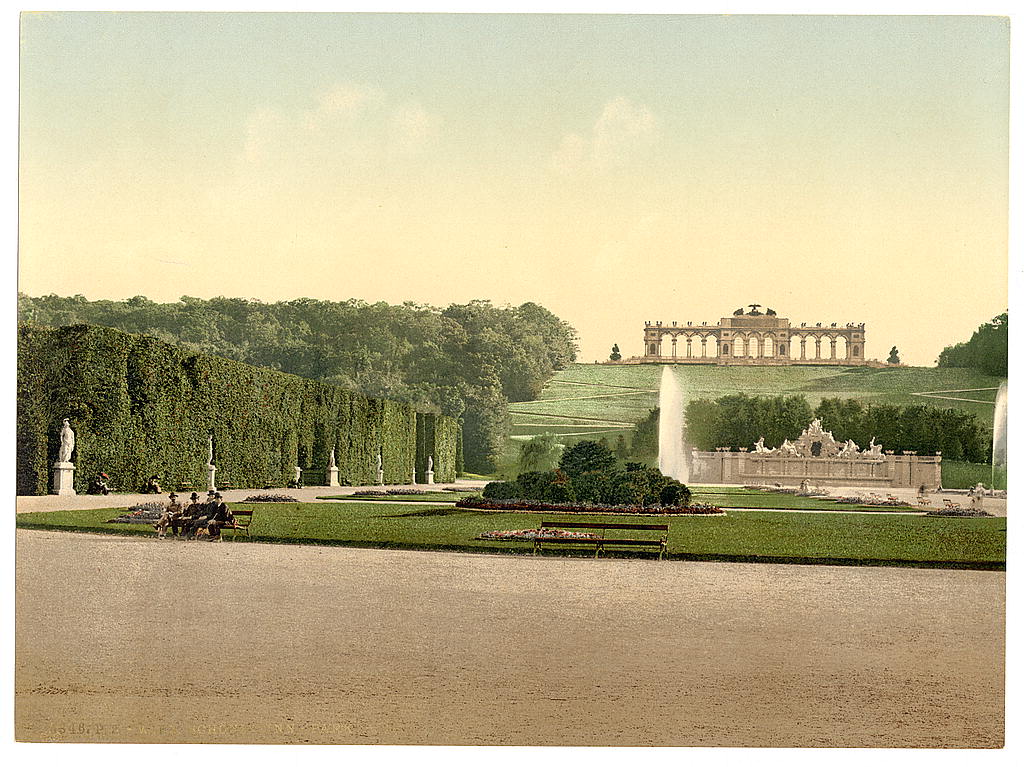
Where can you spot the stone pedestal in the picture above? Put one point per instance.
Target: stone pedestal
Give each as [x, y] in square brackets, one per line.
[332, 476]
[430, 477]
[211, 477]
[380, 476]
[64, 478]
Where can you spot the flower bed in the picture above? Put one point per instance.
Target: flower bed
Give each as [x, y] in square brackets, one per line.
[531, 534]
[270, 498]
[141, 514]
[487, 504]
[958, 513]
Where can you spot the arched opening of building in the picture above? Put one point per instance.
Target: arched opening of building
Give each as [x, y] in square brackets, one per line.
[754, 337]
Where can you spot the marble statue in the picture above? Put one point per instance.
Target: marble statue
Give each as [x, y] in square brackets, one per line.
[332, 464]
[67, 442]
[875, 451]
[849, 450]
[977, 496]
[759, 446]
[430, 463]
[787, 448]
[380, 461]
[209, 453]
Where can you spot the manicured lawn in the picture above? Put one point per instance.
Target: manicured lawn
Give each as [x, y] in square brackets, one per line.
[598, 399]
[759, 500]
[740, 536]
[730, 498]
[450, 497]
[963, 474]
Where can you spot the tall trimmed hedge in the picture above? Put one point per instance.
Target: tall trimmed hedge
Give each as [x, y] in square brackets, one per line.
[140, 407]
[437, 436]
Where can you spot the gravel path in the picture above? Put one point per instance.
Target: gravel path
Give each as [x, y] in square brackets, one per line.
[124, 639]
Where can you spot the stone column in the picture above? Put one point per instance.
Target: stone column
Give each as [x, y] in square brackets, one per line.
[63, 478]
[817, 347]
[832, 347]
[673, 346]
[703, 346]
[689, 347]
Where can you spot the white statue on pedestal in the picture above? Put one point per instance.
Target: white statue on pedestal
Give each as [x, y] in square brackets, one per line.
[63, 469]
[430, 463]
[67, 443]
[333, 464]
[209, 452]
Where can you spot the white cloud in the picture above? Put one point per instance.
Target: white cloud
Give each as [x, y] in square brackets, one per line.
[622, 133]
[348, 125]
[412, 127]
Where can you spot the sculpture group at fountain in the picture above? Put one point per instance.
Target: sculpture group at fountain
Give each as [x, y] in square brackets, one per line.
[816, 442]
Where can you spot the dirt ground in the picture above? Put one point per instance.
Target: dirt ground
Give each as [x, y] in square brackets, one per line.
[138, 640]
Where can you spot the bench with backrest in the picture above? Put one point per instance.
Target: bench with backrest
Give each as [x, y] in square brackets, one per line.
[243, 519]
[602, 542]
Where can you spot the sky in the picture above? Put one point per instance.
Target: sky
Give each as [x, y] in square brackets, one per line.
[615, 169]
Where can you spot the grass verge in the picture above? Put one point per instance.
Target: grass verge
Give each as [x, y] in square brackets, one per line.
[742, 536]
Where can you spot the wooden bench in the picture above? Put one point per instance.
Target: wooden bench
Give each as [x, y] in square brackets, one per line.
[240, 525]
[601, 543]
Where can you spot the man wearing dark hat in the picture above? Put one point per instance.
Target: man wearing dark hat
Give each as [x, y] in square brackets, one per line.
[222, 517]
[190, 512]
[171, 513]
[203, 513]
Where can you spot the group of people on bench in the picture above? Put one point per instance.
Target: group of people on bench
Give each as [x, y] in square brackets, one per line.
[213, 515]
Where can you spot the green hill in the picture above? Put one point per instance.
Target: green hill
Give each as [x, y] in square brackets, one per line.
[605, 400]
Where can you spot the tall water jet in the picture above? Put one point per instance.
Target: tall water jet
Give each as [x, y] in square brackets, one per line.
[999, 433]
[671, 444]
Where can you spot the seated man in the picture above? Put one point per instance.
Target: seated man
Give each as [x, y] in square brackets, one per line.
[187, 515]
[152, 485]
[222, 517]
[201, 514]
[170, 516]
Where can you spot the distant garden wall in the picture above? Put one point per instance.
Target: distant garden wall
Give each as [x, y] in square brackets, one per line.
[140, 407]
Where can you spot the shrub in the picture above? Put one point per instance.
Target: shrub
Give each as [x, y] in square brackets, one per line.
[502, 491]
[586, 456]
[675, 493]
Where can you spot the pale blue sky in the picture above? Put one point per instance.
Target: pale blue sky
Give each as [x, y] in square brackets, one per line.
[613, 168]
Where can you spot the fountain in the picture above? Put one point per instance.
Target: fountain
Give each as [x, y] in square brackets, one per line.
[671, 448]
[999, 432]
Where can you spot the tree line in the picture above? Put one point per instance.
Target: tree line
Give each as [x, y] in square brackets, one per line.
[738, 420]
[466, 360]
[986, 351]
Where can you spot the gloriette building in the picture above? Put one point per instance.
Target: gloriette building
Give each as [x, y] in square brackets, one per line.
[754, 338]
